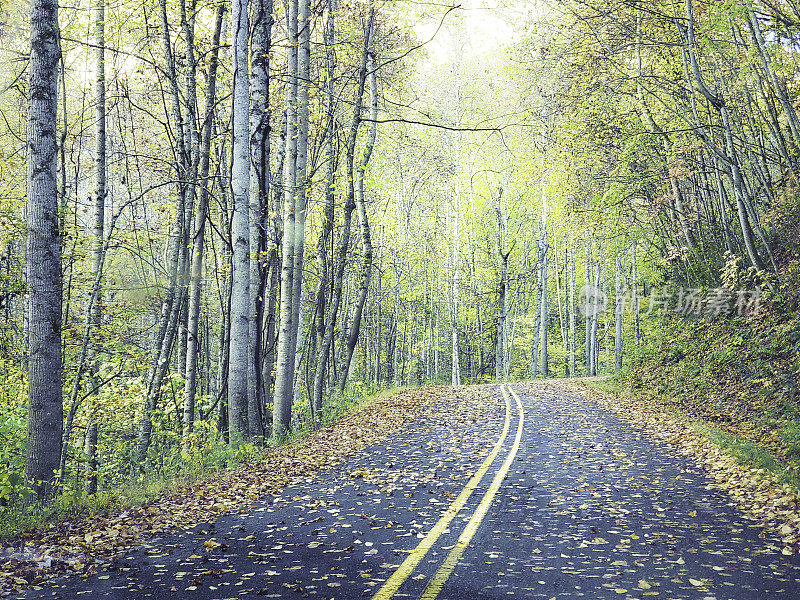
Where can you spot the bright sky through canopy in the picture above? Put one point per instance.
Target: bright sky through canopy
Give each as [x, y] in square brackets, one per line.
[483, 27]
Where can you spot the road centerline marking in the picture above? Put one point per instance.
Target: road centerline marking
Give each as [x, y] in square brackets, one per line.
[448, 566]
[417, 554]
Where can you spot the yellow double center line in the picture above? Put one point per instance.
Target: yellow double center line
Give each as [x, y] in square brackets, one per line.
[415, 556]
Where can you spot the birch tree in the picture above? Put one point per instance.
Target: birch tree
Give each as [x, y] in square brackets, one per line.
[43, 254]
[198, 236]
[284, 379]
[366, 235]
[261, 257]
[100, 166]
[240, 228]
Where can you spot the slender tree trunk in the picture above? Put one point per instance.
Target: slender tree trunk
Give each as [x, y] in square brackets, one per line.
[395, 379]
[43, 254]
[502, 301]
[276, 272]
[378, 336]
[282, 408]
[350, 205]
[635, 285]
[330, 188]
[718, 103]
[260, 190]
[573, 341]
[303, 187]
[538, 313]
[778, 87]
[190, 168]
[240, 229]
[562, 313]
[456, 362]
[97, 237]
[545, 319]
[198, 238]
[618, 314]
[593, 347]
[366, 236]
[587, 311]
[173, 298]
[300, 344]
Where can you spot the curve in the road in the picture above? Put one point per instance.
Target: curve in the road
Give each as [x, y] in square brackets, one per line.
[450, 562]
[415, 556]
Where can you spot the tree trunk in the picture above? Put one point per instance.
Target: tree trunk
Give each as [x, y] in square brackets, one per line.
[538, 313]
[544, 320]
[719, 104]
[635, 286]
[366, 236]
[325, 351]
[594, 349]
[502, 300]
[198, 237]
[456, 362]
[778, 87]
[240, 229]
[587, 308]
[618, 314]
[260, 189]
[282, 398]
[562, 313]
[323, 265]
[303, 182]
[572, 340]
[97, 238]
[173, 298]
[43, 254]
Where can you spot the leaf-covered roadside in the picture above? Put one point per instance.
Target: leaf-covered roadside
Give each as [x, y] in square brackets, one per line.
[756, 492]
[75, 546]
[739, 374]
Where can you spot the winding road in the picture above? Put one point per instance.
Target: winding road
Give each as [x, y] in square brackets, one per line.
[528, 492]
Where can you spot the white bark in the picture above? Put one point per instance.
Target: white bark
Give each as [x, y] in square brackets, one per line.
[260, 189]
[618, 314]
[43, 254]
[366, 236]
[198, 239]
[544, 319]
[240, 230]
[282, 407]
[456, 370]
[90, 445]
[571, 312]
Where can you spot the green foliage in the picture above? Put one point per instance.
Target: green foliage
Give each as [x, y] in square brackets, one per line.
[790, 434]
[736, 375]
[13, 431]
[752, 454]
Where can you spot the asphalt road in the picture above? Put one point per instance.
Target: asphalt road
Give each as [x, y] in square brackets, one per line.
[533, 494]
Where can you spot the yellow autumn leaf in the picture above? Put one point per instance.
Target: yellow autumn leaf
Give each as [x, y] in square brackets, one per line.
[211, 544]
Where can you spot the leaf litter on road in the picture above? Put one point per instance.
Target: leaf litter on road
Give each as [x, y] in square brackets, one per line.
[83, 545]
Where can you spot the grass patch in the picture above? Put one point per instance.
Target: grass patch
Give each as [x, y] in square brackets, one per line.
[751, 454]
[16, 519]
